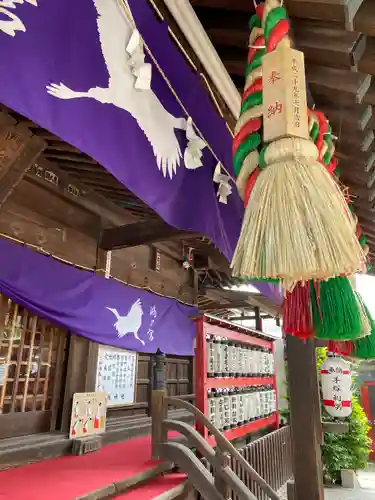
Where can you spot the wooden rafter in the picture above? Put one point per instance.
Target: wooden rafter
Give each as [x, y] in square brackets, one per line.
[141, 233]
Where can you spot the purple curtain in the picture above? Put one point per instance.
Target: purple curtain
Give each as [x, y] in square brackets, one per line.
[99, 309]
[78, 49]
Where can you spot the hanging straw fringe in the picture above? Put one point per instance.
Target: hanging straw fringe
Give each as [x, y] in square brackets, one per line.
[297, 226]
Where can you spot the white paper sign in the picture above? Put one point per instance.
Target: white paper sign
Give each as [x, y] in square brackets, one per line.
[3, 371]
[116, 375]
[336, 381]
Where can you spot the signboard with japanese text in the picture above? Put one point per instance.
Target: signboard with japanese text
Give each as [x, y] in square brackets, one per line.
[336, 382]
[88, 414]
[284, 95]
[116, 375]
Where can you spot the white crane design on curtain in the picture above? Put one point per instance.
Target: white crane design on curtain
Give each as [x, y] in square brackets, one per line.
[115, 32]
[130, 323]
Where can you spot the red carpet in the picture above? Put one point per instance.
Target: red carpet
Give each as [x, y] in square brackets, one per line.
[66, 478]
[154, 488]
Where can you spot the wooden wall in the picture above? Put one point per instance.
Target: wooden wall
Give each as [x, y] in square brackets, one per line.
[179, 383]
[61, 216]
[44, 211]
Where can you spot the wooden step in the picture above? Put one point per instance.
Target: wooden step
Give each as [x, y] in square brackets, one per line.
[167, 487]
[134, 483]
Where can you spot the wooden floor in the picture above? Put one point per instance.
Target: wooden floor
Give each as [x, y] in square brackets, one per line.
[66, 478]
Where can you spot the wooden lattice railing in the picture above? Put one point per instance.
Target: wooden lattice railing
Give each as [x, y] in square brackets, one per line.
[271, 457]
[228, 473]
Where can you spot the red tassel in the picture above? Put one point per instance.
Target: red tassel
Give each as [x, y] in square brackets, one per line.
[297, 312]
[344, 348]
[250, 184]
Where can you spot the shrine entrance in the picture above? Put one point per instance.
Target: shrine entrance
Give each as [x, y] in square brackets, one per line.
[32, 371]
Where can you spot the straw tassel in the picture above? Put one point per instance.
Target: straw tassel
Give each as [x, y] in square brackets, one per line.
[296, 226]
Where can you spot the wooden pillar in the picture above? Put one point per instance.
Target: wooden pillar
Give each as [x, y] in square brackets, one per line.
[258, 319]
[159, 410]
[305, 419]
[18, 151]
[79, 378]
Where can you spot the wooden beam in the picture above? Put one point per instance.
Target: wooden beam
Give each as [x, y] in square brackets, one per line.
[370, 95]
[225, 27]
[367, 61]
[176, 33]
[56, 145]
[241, 5]
[305, 419]
[44, 171]
[358, 189]
[250, 318]
[342, 11]
[364, 213]
[221, 306]
[360, 159]
[18, 150]
[349, 175]
[253, 299]
[348, 120]
[368, 227]
[364, 21]
[361, 141]
[363, 205]
[342, 86]
[327, 45]
[72, 157]
[140, 233]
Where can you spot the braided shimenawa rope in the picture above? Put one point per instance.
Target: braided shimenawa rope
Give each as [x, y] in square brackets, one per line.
[247, 138]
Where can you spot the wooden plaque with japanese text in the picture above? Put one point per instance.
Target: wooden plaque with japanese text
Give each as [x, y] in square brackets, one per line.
[89, 411]
[284, 95]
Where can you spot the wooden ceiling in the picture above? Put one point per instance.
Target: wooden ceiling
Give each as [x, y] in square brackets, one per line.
[339, 45]
[82, 176]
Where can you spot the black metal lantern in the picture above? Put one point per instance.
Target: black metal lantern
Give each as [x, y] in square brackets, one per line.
[159, 361]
